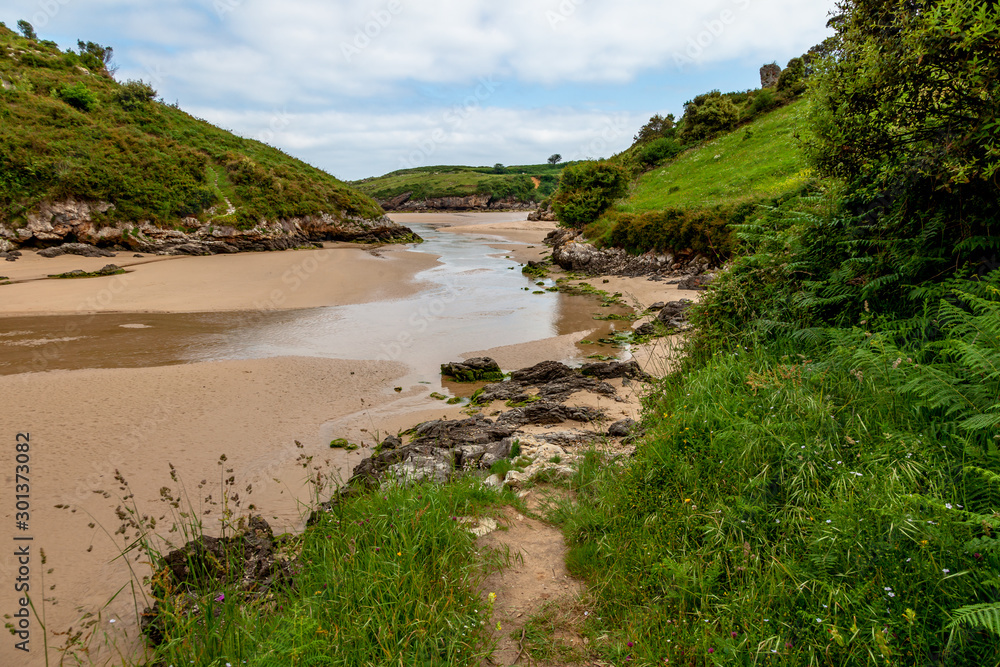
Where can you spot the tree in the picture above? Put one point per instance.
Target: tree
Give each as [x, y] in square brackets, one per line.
[586, 190]
[498, 168]
[27, 30]
[906, 113]
[658, 126]
[96, 57]
[555, 159]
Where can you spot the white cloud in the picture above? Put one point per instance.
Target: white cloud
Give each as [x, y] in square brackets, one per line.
[344, 70]
[353, 145]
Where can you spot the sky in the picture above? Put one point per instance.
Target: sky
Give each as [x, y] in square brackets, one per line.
[366, 87]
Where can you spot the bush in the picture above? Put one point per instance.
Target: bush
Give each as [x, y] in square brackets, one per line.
[134, 94]
[792, 75]
[658, 126]
[679, 231]
[707, 116]
[658, 150]
[588, 189]
[763, 101]
[78, 96]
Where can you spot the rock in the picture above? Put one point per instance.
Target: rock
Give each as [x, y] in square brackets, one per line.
[473, 370]
[623, 428]
[81, 249]
[674, 314]
[548, 412]
[543, 212]
[390, 443]
[571, 438]
[542, 373]
[109, 270]
[137, 255]
[699, 282]
[646, 329]
[659, 305]
[436, 451]
[246, 562]
[769, 75]
[502, 391]
[57, 222]
[493, 482]
[607, 370]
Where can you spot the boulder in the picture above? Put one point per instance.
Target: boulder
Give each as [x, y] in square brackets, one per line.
[674, 314]
[473, 370]
[80, 249]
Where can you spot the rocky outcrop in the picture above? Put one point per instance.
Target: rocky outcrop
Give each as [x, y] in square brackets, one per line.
[477, 202]
[75, 222]
[573, 253]
[543, 212]
[769, 75]
[440, 450]
[248, 563]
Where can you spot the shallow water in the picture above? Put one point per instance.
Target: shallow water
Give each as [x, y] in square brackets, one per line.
[475, 299]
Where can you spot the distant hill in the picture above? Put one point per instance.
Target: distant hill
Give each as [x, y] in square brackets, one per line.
[83, 157]
[458, 187]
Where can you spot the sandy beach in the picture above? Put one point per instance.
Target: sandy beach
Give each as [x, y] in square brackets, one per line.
[217, 283]
[272, 418]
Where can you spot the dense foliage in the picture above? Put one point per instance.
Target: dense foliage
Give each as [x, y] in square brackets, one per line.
[588, 189]
[68, 130]
[906, 114]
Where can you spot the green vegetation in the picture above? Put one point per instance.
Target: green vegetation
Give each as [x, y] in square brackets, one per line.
[523, 183]
[67, 129]
[386, 578]
[760, 161]
[820, 481]
[586, 190]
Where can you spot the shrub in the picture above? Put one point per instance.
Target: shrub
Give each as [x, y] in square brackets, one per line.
[134, 94]
[792, 75]
[658, 150]
[588, 189]
[764, 100]
[707, 116]
[78, 96]
[680, 231]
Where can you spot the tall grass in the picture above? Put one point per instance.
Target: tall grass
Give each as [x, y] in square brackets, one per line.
[794, 509]
[385, 578]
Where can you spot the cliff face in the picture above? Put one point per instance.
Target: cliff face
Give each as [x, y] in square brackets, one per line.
[73, 222]
[469, 203]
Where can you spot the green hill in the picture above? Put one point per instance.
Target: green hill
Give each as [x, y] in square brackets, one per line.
[68, 131]
[761, 160]
[521, 184]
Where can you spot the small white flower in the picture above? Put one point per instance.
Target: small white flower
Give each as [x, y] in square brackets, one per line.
[946, 570]
[947, 505]
[829, 521]
[891, 594]
[111, 620]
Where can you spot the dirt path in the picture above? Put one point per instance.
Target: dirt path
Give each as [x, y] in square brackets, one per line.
[537, 603]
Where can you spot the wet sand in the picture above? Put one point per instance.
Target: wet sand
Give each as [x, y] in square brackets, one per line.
[217, 283]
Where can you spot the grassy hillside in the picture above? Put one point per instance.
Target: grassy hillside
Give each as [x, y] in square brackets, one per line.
[761, 160]
[67, 129]
[525, 182]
